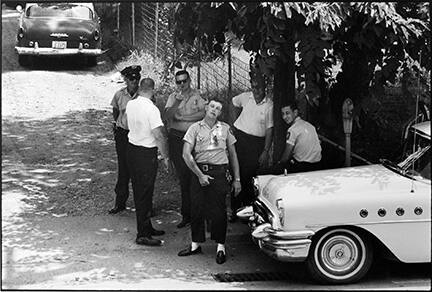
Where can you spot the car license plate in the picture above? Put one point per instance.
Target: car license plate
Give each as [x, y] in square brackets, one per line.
[59, 45]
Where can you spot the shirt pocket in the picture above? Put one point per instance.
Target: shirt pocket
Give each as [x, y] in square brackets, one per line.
[200, 142]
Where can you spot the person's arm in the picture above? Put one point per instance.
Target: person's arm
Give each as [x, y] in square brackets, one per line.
[235, 168]
[171, 106]
[161, 142]
[196, 115]
[115, 113]
[190, 162]
[267, 144]
[287, 154]
[192, 117]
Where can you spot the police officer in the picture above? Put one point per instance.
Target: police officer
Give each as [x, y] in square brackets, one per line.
[254, 134]
[184, 107]
[209, 141]
[131, 75]
[303, 149]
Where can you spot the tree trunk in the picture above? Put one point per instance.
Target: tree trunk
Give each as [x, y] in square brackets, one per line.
[283, 91]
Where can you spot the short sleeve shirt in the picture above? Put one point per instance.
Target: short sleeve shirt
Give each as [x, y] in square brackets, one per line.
[142, 116]
[303, 136]
[119, 101]
[210, 144]
[189, 105]
[255, 118]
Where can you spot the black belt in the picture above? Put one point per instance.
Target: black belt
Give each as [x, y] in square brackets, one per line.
[209, 167]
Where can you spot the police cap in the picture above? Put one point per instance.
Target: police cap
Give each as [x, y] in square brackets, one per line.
[131, 72]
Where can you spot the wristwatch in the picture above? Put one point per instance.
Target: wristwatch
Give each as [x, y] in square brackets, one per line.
[237, 179]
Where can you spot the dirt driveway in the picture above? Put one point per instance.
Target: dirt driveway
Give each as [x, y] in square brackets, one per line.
[58, 176]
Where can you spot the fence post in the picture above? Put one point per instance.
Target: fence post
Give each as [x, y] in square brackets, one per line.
[231, 108]
[133, 23]
[118, 18]
[199, 66]
[157, 28]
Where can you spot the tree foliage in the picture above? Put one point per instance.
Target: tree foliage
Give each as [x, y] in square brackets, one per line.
[374, 42]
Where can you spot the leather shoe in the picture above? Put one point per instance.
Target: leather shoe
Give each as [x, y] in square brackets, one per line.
[183, 223]
[188, 251]
[148, 241]
[220, 257]
[116, 210]
[156, 232]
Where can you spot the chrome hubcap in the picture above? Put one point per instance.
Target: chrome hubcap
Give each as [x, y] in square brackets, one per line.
[339, 254]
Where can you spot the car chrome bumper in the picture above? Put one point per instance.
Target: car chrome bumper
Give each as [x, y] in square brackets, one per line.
[283, 245]
[57, 52]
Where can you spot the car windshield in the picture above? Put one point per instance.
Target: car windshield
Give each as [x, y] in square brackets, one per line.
[417, 161]
[59, 10]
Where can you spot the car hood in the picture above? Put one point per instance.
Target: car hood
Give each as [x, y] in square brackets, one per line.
[337, 195]
[43, 27]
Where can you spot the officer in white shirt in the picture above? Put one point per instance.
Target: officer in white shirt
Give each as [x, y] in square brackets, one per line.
[303, 149]
[254, 134]
[146, 135]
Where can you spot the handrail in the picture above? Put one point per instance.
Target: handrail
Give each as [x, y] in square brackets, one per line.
[343, 149]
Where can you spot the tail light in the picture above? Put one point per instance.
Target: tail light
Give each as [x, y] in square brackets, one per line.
[96, 35]
[280, 210]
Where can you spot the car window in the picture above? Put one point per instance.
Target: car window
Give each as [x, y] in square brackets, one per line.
[60, 10]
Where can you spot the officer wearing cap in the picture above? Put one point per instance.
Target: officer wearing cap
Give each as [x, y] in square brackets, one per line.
[205, 153]
[131, 75]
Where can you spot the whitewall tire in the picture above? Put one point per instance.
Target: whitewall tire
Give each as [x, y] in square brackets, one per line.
[339, 256]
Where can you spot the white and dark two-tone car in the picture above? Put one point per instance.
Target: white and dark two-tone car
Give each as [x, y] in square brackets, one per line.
[58, 29]
[336, 220]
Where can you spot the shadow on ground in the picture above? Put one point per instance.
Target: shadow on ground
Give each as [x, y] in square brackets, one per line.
[67, 165]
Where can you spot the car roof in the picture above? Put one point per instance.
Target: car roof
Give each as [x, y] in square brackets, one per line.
[89, 4]
[423, 128]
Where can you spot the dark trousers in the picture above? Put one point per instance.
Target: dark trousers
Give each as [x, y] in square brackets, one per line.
[209, 202]
[249, 149]
[143, 164]
[175, 143]
[122, 186]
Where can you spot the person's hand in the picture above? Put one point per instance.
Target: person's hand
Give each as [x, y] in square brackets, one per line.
[263, 159]
[236, 187]
[204, 180]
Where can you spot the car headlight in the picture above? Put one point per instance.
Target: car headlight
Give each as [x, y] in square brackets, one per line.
[280, 210]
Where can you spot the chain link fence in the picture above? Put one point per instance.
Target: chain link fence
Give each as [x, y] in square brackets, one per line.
[146, 26]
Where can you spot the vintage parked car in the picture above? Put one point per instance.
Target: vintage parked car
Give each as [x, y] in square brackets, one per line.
[337, 219]
[58, 29]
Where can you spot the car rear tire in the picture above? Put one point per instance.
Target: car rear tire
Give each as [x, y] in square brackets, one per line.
[24, 60]
[339, 256]
[91, 61]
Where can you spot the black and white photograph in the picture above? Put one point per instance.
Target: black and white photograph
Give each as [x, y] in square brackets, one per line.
[215, 145]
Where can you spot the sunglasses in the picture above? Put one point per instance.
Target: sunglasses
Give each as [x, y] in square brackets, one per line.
[182, 81]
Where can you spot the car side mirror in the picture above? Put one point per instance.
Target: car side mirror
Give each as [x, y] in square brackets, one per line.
[19, 8]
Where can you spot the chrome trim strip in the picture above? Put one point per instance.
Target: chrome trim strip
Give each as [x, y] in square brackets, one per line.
[286, 243]
[369, 223]
[289, 234]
